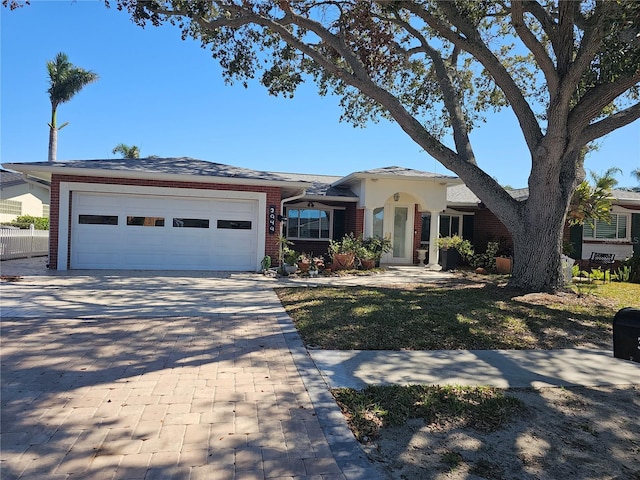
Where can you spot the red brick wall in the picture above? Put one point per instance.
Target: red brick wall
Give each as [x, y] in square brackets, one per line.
[273, 198]
[54, 220]
[488, 228]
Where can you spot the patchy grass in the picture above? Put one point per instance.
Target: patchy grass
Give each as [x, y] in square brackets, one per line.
[484, 409]
[466, 316]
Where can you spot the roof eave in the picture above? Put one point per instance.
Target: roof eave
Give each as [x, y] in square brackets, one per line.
[379, 176]
[94, 172]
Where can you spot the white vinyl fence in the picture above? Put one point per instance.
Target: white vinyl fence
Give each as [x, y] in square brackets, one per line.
[17, 243]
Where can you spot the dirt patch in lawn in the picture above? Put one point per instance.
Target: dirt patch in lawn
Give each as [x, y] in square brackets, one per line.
[564, 433]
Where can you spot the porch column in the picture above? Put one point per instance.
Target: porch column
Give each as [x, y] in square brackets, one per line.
[368, 223]
[433, 241]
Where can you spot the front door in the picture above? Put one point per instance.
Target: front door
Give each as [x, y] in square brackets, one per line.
[398, 225]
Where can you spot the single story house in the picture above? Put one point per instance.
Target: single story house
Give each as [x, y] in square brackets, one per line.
[187, 214]
[20, 195]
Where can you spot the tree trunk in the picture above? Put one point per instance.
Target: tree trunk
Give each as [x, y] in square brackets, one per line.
[53, 143]
[537, 236]
[53, 134]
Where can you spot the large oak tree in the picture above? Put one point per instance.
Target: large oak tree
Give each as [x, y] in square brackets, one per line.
[569, 70]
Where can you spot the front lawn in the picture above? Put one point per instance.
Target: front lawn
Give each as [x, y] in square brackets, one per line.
[476, 316]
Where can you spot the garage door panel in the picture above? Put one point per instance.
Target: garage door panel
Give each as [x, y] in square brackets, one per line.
[140, 241]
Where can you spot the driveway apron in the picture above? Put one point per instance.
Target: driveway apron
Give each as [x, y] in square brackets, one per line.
[162, 375]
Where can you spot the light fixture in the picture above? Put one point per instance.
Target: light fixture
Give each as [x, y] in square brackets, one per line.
[310, 205]
[396, 196]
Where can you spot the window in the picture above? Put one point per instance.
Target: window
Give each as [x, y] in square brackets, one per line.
[11, 207]
[616, 230]
[308, 223]
[98, 219]
[45, 210]
[449, 225]
[235, 224]
[378, 222]
[145, 221]
[191, 222]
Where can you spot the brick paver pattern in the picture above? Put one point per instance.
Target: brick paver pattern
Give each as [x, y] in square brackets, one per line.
[215, 397]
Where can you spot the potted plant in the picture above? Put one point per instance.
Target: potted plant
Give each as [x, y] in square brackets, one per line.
[304, 262]
[313, 269]
[290, 260]
[375, 247]
[343, 252]
[452, 249]
[504, 259]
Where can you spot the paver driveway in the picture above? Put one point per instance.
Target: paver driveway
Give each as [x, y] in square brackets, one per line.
[209, 380]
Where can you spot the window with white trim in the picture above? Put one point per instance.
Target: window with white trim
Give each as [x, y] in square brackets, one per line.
[308, 223]
[618, 229]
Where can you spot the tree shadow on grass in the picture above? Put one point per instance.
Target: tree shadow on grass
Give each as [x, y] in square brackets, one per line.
[435, 318]
[573, 432]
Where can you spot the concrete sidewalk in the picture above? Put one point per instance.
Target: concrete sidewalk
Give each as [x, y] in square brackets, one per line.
[497, 368]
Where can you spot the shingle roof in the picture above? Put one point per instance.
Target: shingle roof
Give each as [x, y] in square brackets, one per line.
[8, 178]
[321, 185]
[461, 194]
[403, 172]
[171, 166]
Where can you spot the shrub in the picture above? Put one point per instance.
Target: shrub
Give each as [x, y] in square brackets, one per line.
[464, 247]
[24, 221]
[487, 259]
[348, 244]
[634, 265]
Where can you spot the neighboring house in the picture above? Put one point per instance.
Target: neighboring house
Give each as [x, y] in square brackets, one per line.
[181, 213]
[21, 197]
[620, 237]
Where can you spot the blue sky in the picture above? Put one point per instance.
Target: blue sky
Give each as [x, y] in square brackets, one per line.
[168, 97]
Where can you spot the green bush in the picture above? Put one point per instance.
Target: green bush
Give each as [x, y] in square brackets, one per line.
[24, 221]
[464, 247]
[634, 264]
[487, 259]
[348, 244]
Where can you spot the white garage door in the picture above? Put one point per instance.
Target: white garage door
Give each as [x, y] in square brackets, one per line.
[118, 231]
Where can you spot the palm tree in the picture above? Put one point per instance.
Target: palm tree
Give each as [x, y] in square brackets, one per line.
[636, 173]
[65, 80]
[593, 202]
[127, 151]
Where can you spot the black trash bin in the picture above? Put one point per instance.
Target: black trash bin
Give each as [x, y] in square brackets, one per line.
[626, 334]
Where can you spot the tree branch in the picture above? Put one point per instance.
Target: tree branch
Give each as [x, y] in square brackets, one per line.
[609, 124]
[596, 99]
[531, 42]
[449, 93]
[473, 44]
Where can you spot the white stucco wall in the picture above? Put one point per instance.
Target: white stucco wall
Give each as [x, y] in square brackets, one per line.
[31, 196]
[430, 195]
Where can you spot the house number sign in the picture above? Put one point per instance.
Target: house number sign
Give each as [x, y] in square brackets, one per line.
[272, 219]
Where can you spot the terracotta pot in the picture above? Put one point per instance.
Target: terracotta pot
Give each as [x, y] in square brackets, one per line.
[343, 261]
[503, 265]
[368, 264]
[304, 266]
